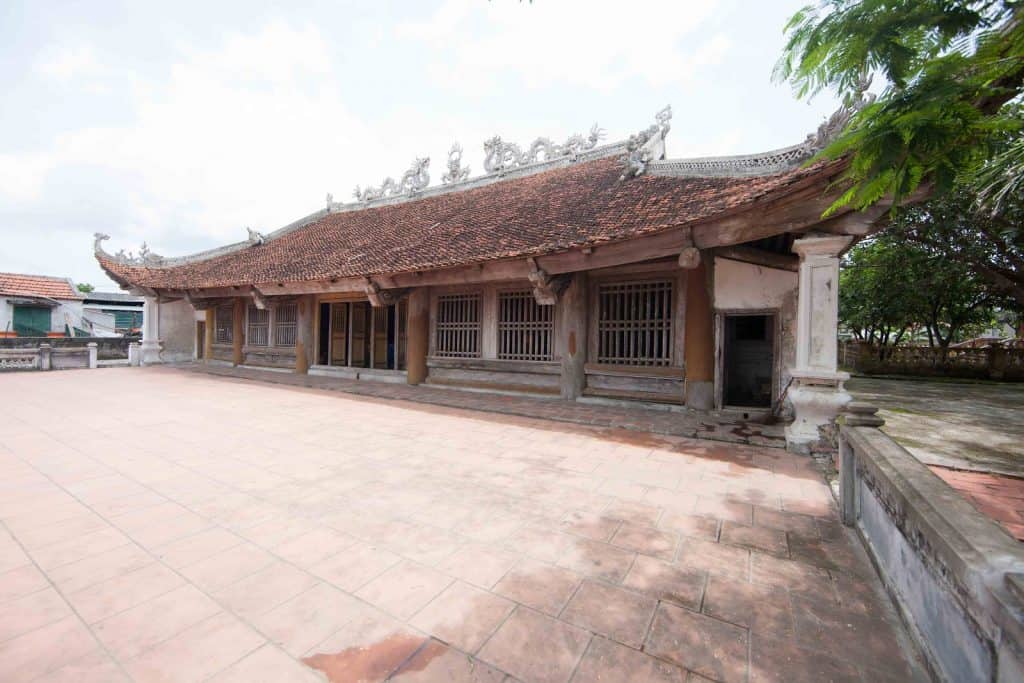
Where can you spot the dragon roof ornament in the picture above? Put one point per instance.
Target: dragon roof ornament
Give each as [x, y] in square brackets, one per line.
[456, 172]
[415, 179]
[145, 257]
[501, 156]
[644, 147]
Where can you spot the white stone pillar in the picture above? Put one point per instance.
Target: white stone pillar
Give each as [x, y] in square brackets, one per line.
[817, 392]
[151, 344]
[93, 355]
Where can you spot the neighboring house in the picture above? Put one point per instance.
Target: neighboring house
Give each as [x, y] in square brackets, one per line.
[38, 305]
[120, 312]
[591, 272]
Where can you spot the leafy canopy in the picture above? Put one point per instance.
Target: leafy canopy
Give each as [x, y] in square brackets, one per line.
[949, 67]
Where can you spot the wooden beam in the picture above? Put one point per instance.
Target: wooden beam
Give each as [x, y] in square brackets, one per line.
[759, 257]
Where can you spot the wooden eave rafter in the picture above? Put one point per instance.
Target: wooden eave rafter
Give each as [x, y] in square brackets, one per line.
[759, 257]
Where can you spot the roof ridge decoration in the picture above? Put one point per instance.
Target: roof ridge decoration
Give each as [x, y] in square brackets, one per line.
[773, 161]
[501, 156]
[412, 181]
[145, 257]
[647, 145]
[456, 172]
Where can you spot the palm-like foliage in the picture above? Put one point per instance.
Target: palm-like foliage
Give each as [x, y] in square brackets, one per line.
[950, 67]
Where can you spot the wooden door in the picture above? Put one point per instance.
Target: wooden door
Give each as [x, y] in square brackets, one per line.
[200, 339]
[339, 334]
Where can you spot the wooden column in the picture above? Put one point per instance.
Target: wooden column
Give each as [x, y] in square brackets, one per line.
[418, 336]
[304, 334]
[572, 336]
[238, 331]
[208, 334]
[699, 342]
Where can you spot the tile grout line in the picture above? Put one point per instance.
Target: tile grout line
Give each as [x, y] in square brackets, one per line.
[102, 646]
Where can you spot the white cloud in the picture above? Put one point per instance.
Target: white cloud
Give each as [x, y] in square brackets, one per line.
[571, 42]
[66, 63]
[232, 136]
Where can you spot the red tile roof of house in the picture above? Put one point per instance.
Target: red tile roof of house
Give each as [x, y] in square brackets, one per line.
[16, 284]
[579, 205]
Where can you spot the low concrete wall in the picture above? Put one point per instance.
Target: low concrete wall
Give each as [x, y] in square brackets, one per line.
[107, 348]
[952, 571]
[998, 363]
[44, 357]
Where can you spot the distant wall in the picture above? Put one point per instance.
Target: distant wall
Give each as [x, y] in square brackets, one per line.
[108, 348]
[922, 361]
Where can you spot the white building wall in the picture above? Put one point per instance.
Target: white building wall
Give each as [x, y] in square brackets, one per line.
[6, 315]
[747, 286]
[177, 331]
[740, 286]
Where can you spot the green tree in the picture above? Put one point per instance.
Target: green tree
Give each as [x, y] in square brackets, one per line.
[950, 68]
[891, 287]
[878, 298]
[991, 244]
[85, 287]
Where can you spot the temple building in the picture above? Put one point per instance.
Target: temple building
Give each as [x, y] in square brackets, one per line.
[580, 270]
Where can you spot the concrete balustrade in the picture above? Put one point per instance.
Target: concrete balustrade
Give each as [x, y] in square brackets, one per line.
[955, 574]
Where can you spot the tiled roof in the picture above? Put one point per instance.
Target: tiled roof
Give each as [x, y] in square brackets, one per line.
[579, 205]
[16, 284]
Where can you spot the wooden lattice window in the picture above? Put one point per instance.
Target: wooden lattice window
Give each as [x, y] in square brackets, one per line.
[634, 325]
[458, 326]
[224, 324]
[525, 328]
[286, 317]
[259, 327]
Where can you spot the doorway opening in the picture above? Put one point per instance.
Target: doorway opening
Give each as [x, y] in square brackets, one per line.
[357, 335]
[749, 360]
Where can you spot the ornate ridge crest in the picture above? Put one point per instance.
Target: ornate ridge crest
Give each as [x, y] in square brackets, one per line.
[501, 155]
[412, 181]
[145, 257]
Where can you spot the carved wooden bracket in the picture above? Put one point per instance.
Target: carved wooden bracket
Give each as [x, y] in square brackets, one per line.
[382, 297]
[689, 258]
[546, 287]
[258, 299]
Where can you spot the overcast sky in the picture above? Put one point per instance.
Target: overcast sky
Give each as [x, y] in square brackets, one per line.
[181, 123]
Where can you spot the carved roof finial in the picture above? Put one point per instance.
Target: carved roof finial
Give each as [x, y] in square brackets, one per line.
[255, 238]
[643, 147]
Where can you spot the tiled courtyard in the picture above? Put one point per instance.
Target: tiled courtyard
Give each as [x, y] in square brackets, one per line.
[166, 525]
